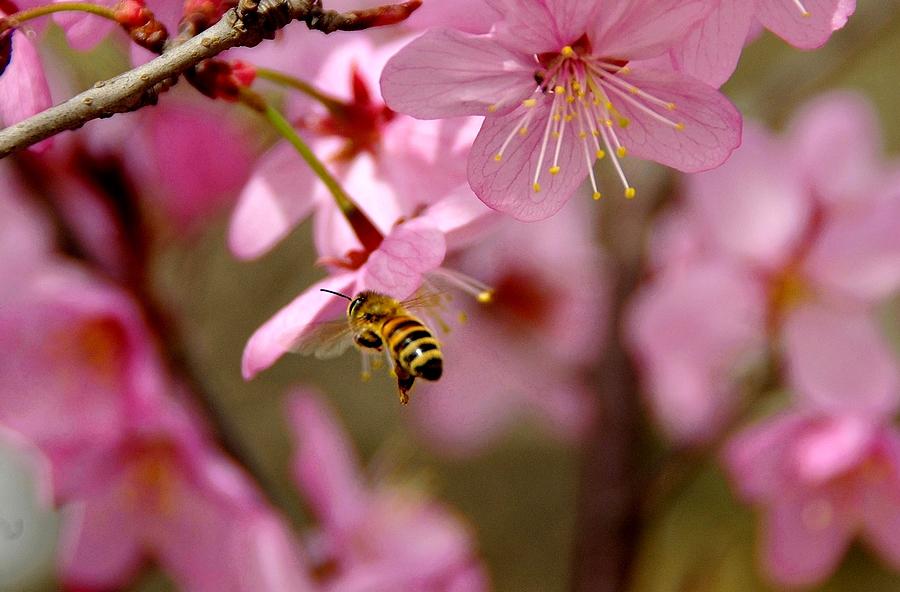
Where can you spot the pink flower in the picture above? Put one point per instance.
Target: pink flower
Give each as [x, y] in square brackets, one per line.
[526, 354]
[374, 537]
[562, 83]
[777, 244]
[711, 51]
[820, 481]
[74, 354]
[391, 165]
[395, 265]
[23, 85]
[164, 493]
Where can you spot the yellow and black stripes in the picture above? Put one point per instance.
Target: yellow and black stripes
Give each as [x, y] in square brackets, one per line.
[413, 347]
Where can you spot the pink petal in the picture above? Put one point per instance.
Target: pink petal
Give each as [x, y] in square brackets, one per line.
[268, 558]
[691, 331]
[325, 466]
[280, 334]
[857, 253]
[756, 457]
[397, 266]
[99, 547]
[84, 31]
[836, 140]
[712, 125]
[881, 502]
[831, 446]
[640, 29]
[805, 538]
[507, 185]
[839, 361]
[446, 73]
[752, 207]
[530, 26]
[277, 197]
[460, 217]
[783, 18]
[471, 16]
[711, 50]
[23, 87]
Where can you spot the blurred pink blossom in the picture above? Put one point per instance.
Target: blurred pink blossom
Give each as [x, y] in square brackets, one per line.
[562, 83]
[163, 493]
[526, 354]
[775, 245]
[24, 90]
[390, 164]
[819, 481]
[711, 50]
[374, 537]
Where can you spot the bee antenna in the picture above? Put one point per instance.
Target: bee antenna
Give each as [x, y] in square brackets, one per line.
[336, 294]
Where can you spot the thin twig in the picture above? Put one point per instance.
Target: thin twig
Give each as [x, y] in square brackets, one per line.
[141, 86]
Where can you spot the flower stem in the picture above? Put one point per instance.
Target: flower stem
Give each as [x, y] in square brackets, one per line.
[331, 103]
[365, 230]
[14, 20]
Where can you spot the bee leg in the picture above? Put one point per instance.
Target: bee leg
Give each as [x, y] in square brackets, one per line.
[404, 384]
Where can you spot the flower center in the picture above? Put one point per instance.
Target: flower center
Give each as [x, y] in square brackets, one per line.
[520, 298]
[360, 120]
[586, 94]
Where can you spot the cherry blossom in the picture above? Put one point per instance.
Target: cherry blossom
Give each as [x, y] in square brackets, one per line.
[819, 481]
[784, 242]
[562, 84]
[373, 537]
[711, 51]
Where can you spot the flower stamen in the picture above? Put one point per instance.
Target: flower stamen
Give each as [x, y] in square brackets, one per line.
[803, 11]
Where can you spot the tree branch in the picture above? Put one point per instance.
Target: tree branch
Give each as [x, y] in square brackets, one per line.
[244, 26]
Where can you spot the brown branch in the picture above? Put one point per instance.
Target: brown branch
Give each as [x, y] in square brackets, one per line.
[609, 518]
[244, 26]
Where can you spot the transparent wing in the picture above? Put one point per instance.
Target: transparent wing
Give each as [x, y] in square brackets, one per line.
[325, 340]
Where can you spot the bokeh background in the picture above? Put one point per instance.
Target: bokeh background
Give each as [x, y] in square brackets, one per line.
[520, 495]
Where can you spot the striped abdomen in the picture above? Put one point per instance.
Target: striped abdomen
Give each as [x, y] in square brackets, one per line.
[413, 347]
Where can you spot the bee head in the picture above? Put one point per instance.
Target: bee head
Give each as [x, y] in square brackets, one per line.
[354, 305]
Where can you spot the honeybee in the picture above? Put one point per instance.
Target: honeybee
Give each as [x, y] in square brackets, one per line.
[377, 322]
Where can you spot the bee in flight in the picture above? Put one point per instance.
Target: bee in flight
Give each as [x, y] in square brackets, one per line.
[377, 322]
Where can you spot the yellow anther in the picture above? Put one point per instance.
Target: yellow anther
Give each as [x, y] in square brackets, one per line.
[556, 117]
[624, 70]
[633, 90]
[570, 99]
[596, 133]
[567, 51]
[624, 122]
[498, 157]
[608, 122]
[536, 187]
[492, 108]
[523, 131]
[679, 126]
[529, 102]
[575, 85]
[622, 151]
[609, 106]
[601, 154]
[569, 117]
[554, 170]
[582, 135]
[597, 195]
[463, 317]
[486, 297]
[559, 89]
[555, 135]
[630, 192]
[671, 106]
[806, 14]
[365, 376]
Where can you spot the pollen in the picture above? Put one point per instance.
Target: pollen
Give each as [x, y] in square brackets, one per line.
[671, 106]
[485, 297]
[567, 51]
[600, 154]
[554, 170]
[597, 195]
[630, 192]
[559, 89]
[498, 157]
[679, 127]
[529, 102]
[536, 187]
[523, 131]
[492, 108]
[622, 151]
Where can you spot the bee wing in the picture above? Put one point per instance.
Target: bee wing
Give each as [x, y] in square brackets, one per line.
[325, 340]
[426, 298]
